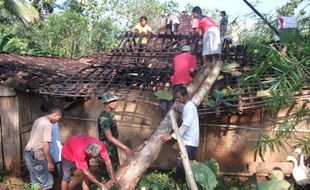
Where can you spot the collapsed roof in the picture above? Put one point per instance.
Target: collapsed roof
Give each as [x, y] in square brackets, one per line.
[131, 68]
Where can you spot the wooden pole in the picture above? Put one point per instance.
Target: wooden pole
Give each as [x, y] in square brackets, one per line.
[184, 156]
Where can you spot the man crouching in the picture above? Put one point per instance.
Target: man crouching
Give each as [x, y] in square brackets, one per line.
[76, 153]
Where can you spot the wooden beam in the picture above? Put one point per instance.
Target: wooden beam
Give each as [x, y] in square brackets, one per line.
[9, 111]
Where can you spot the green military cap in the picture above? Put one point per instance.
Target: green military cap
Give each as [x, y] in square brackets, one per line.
[107, 97]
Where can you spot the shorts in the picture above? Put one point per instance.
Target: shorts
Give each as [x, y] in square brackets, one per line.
[38, 171]
[212, 42]
[67, 168]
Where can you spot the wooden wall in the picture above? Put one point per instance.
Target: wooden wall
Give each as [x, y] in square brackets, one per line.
[9, 114]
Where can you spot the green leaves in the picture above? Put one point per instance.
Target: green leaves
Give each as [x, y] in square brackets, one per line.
[273, 184]
[264, 142]
[16, 45]
[163, 95]
[11, 43]
[32, 186]
[206, 174]
[157, 181]
[279, 71]
[224, 97]
[228, 68]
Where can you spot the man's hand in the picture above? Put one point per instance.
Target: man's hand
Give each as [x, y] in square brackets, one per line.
[165, 138]
[104, 187]
[50, 166]
[112, 182]
[128, 152]
[178, 107]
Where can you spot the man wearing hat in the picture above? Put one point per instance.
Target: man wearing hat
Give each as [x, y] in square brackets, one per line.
[108, 132]
[184, 65]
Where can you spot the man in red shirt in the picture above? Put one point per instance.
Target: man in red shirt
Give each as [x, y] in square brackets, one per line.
[184, 65]
[76, 153]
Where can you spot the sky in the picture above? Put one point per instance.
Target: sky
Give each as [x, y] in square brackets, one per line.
[234, 7]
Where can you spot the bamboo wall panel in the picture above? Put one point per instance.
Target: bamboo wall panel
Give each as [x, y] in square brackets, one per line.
[9, 112]
[136, 121]
[29, 104]
[230, 139]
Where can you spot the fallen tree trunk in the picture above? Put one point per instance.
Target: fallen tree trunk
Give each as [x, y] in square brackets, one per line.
[133, 168]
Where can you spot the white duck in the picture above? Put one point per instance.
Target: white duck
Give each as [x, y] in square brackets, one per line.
[302, 162]
[299, 174]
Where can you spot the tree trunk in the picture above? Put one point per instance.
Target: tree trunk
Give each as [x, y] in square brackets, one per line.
[23, 10]
[133, 168]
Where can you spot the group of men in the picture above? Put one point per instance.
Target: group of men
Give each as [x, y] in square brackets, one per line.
[44, 153]
[46, 158]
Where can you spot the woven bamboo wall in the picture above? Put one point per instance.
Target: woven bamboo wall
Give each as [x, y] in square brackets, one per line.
[226, 138]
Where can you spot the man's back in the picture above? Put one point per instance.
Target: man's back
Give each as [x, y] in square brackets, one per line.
[41, 132]
[172, 19]
[74, 150]
[182, 65]
[190, 118]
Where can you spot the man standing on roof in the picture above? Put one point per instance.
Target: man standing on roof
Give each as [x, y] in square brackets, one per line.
[184, 65]
[76, 153]
[170, 21]
[211, 36]
[223, 25]
[189, 129]
[108, 132]
[37, 152]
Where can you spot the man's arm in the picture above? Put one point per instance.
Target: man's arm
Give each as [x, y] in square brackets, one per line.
[46, 150]
[118, 143]
[109, 166]
[92, 178]
[182, 130]
[168, 137]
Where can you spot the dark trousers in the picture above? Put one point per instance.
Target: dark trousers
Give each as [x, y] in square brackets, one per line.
[191, 151]
[57, 174]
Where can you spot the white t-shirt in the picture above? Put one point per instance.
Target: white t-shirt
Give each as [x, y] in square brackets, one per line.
[172, 19]
[190, 119]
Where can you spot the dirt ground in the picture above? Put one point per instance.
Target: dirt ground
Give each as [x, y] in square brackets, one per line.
[18, 183]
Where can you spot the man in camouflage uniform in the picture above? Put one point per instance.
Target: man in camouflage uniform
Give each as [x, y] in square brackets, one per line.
[108, 132]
